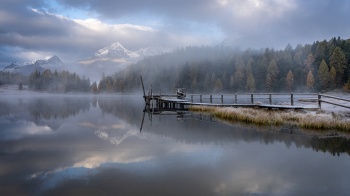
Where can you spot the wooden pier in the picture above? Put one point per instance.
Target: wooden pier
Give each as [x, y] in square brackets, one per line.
[282, 101]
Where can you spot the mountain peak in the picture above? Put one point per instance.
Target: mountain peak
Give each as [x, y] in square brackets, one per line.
[27, 68]
[54, 59]
[115, 50]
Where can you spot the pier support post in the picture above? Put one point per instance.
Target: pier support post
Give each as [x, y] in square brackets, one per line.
[270, 99]
[211, 98]
[291, 99]
[252, 98]
[222, 99]
[235, 99]
[319, 100]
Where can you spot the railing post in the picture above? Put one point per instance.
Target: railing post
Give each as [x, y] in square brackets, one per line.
[235, 99]
[252, 98]
[200, 98]
[319, 101]
[291, 99]
[270, 99]
[222, 99]
[211, 98]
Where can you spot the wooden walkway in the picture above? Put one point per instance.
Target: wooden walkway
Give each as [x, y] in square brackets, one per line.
[297, 101]
[173, 102]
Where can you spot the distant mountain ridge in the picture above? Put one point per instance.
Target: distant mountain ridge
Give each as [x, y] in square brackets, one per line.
[116, 52]
[26, 68]
[109, 59]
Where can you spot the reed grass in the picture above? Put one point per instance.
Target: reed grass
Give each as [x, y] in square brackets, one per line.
[320, 121]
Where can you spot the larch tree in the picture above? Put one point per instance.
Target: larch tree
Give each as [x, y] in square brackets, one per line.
[309, 61]
[332, 77]
[250, 85]
[271, 76]
[218, 85]
[268, 82]
[323, 75]
[310, 81]
[290, 81]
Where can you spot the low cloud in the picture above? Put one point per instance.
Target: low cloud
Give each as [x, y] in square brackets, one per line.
[41, 28]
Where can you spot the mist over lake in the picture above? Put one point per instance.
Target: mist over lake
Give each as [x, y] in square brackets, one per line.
[93, 145]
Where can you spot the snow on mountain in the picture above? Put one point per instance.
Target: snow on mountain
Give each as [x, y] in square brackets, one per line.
[114, 58]
[115, 50]
[26, 68]
[118, 51]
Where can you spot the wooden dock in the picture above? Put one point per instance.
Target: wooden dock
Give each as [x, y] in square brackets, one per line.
[281, 101]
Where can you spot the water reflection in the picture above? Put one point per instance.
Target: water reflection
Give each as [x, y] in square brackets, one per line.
[93, 146]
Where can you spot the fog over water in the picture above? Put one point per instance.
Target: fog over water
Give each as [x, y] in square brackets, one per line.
[58, 145]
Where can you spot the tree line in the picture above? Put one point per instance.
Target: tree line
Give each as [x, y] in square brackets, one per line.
[55, 81]
[320, 66]
[12, 78]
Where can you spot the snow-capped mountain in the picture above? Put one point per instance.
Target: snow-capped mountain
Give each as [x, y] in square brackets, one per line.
[116, 50]
[117, 53]
[27, 68]
[114, 58]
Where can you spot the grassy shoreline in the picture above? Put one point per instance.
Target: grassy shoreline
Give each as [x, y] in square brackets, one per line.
[302, 119]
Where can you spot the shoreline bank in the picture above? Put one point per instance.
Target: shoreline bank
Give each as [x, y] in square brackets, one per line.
[319, 120]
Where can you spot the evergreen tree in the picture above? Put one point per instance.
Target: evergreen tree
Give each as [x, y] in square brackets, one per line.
[323, 75]
[94, 88]
[338, 61]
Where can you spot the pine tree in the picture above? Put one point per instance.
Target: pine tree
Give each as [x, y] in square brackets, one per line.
[338, 61]
[290, 81]
[94, 88]
[323, 75]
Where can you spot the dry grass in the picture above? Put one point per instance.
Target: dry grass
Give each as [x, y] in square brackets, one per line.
[324, 121]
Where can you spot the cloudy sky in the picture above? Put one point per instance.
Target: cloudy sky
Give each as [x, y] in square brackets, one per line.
[75, 29]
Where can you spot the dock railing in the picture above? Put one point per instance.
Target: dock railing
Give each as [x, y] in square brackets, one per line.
[253, 98]
[271, 99]
[330, 100]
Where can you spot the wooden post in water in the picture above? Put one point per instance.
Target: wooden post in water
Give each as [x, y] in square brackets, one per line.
[143, 88]
[200, 98]
[211, 98]
[291, 99]
[191, 98]
[222, 99]
[270, 99]
[252, 98]
[319, 100]
[235, 99]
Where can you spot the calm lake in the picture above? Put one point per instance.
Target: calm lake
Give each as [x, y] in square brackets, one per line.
[86, 145]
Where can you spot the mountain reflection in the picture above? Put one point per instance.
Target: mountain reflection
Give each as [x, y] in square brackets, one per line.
[94, 144]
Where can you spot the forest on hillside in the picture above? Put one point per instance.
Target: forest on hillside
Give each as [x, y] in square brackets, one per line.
[321, 66]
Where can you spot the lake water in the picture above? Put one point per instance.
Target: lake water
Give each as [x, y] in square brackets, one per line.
[85, 145]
